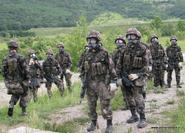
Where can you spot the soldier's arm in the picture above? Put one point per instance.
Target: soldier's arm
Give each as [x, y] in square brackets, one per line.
[164, 57]
[113, 75]
[181, 55]
[145, 61]
[4, 68]
[80, 60]
[69, 61]
[58, 67]
[25, 66]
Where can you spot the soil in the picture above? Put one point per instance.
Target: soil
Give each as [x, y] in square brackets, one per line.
[155, 104]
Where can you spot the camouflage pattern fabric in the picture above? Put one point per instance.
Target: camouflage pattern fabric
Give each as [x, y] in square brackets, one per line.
[159, 61]
[53, 69]
[15, 70]
[96, 65]
[133, 61]
[32, 93]
[174, 54]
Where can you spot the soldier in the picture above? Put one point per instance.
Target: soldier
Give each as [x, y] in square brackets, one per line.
[52, 69]
[121, 45]
[159, 61]
[134, 64]
[98, 68]
[16, 77]
[35, 71]
[65, 62]
[175, 59]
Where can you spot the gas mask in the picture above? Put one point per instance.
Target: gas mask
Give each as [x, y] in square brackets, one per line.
[49, 57]
[173, 42]
[119, 43]
[155, 41]
[61, 50]
[93, 44]
[132, 39]
[33, 56]
[86, 49]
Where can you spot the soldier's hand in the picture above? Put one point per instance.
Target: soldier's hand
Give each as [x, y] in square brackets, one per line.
[133, 76]
[112, 87]
[149, 68]
[68, 71]
[82, 94]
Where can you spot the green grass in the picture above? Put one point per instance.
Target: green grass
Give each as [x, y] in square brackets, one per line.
[179, 92]
[3, 46]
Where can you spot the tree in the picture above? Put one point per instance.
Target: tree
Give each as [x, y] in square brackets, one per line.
[180, 26]
[157, 23]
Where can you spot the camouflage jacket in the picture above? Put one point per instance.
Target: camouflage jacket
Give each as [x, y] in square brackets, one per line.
[174, 54]
[133, 60]
[64, 60]
[148, 52]
[158, 54]
[35, 69]
[51, 67]
[98, 64]
[81, 59]
[15, 68]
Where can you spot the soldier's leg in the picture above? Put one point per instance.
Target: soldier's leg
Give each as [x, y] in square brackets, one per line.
[140, 106]
[24, 101]
[162, 84]
[156, 74]
[126, 107]
[132, 105]
[169, 78]
[59, 84]
[62, 78]
[177, 74]
[35, 91]
[30, 94]
[68, 81]
[13, 101]
[48, 86]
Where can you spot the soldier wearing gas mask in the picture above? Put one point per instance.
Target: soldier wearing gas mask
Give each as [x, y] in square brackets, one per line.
[35, 72]
[134, 64]
[159, 61]
[121, 45]
[65, 62]
[52, 70]
[175, 59]
[100, 74]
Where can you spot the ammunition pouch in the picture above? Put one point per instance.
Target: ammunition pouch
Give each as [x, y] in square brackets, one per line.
[127, 60]
[137, 62]
[160, 52]
[86, 66]
[140, 81]
[98, 69]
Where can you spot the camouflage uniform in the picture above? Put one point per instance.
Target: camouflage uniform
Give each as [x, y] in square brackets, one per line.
[116, 54]
[16, 77]
[52, 69]
[98, 66]
[35, 71]
[159, 61]
[134, 61]
[174, 55]
[65, 62]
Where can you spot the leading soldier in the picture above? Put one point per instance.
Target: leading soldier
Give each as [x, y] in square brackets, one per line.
[134, 65]
[98, 70]
[16, 77]
[175, 59]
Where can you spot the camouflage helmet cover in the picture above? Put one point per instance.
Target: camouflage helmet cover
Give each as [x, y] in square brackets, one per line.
[94, 34]
[49, 51]
[13, 43]
[120, 37]
[133, 31]
[60, 45]
[153, 36]
[173, 38]
[31, 51]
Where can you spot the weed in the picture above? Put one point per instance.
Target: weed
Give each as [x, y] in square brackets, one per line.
[170, 102]
[154, 106]
[160, 90]
[179, 92]
[152, 120]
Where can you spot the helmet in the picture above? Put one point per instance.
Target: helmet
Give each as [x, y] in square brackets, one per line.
[13, 43]
[133, 31]
[49, 51]
[94, 34]
[153, 36]
[60, 45]
[31, 51]
[120, 37]
[173, 38]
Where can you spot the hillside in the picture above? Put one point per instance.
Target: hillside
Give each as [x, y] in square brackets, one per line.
[26, 14]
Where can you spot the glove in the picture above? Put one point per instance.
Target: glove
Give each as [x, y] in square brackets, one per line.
[79, 69]
[68, 71]
[82, 94]
[180, 64]
[119, 82]
[112, 87]
[149, 68]
[134, 76]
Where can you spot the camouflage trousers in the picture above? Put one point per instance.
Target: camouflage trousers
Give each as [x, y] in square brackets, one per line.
[124, 93]
[58, 83]
[158, 76]
[23, 98]
[96, 90]
[135, 98]
[68, 79]
[33, 94]
[177, 74]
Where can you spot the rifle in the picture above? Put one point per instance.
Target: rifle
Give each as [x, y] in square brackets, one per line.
[155, 65]
[170, 65]
[84, 87]
[48, 77]
[126, 81]
[33, 83]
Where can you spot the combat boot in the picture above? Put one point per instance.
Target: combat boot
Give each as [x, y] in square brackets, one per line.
[93, 126]
[24, 112]
[125, 107]
[109, 127]
[142, 122]
[144, 96]
[169, 84]
[134, 117]
[10, 109]
[178, 85]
